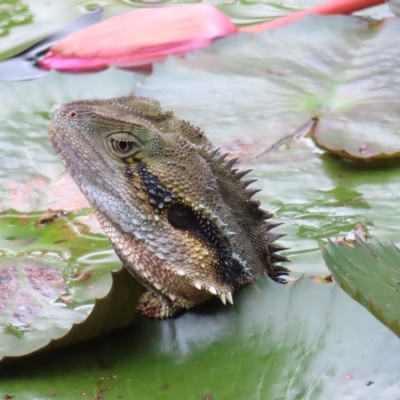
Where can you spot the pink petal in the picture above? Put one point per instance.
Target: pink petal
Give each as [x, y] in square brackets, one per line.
[140, 37]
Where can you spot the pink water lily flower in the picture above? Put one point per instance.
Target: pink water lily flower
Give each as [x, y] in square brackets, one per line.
[147, 35]
[140, 37]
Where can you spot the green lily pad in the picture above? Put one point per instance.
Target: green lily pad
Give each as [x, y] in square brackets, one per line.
[325, 71]
[24, 23]
[76, 254]
[370, 274]
[297, 341]
[31, 173]
[51, 271]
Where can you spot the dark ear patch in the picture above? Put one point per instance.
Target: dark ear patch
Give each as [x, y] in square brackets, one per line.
[182, 217]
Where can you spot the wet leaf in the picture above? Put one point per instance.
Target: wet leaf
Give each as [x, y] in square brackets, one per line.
[370, 274]
[297, 341]
[340, 70]
[31, 173]
[395, 6]
[25, 23]
[51, 271]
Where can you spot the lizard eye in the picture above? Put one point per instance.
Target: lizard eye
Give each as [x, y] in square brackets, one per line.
[181, 217]
[122, 146]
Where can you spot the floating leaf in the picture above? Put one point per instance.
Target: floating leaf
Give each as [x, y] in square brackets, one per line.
[338, 69]
[38, 248]
[370, 274]
[296, 341]
[395, 6]
[51, 271]
[24, 23]
[31, 173]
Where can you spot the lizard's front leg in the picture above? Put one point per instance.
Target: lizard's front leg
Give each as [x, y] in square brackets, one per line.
[152, 305]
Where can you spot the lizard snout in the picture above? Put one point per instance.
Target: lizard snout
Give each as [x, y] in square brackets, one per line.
[55, 127]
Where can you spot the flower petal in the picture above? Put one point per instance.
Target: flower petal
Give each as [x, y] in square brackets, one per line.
[140, 37]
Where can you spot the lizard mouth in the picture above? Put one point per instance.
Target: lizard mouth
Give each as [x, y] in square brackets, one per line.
[54, 126]
[51, 132]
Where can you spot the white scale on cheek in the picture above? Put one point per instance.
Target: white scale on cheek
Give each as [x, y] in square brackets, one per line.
[162, 256]
[139, 234]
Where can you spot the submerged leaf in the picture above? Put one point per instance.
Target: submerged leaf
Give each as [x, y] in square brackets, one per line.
[370, 274]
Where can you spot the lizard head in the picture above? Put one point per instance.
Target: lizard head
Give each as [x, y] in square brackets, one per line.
[176, 212]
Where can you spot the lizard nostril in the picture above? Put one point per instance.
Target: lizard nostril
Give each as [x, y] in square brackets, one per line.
[72, 114]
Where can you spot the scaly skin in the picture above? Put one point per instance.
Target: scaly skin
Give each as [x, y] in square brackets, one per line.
[177, 214]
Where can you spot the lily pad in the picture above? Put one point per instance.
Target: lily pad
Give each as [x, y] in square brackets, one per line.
[37, 248]
[370, 274]
[30, 176]
[394, 6]
[297, 341]
[341, 70]
[51, 271]
[24, 23]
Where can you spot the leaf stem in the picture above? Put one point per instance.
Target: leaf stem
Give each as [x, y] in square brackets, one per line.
[326, 8]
